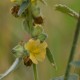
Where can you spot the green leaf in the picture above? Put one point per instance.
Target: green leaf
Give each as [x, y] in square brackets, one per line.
[75, 63]
[23, 7]
[65, 9]
[26, 25]
[71, 77]
[50, 57]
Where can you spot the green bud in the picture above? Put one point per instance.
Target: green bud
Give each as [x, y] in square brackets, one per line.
[18, 51]
[37, 30]
[42, 37]
[35, 11]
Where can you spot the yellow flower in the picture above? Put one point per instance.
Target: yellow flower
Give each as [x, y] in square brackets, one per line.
[21, 1]
[36, 49]
[17, 1]
[12, 0]
[32, 0]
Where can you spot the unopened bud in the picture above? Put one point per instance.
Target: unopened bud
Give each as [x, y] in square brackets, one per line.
[42, 37]
[37, 30]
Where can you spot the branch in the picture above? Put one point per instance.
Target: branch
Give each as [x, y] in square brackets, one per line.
[12, 68]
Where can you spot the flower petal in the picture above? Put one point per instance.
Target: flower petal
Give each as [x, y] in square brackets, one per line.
[33, 58]
[41, 56]
[43, 45]
[31, 44]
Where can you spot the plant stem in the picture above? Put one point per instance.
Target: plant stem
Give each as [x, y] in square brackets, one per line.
[30, 18]
[12, 68]
[35, 72]
[72, 49]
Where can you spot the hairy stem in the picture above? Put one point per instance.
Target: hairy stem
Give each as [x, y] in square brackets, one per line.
[72, 49]
[35, 72]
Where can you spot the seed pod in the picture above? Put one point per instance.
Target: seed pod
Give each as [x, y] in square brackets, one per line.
[14, 10]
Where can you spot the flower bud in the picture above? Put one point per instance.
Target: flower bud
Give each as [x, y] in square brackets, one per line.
[42, 37]
[18, 51]
[14, 11]
[27, 61]
[35, 11]
[37, 30]
[19, 2]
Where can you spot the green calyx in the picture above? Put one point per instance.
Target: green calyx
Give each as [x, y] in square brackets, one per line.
[37, 30]
[35, 10]
[42, 37]
[19, 51]
[38, 33]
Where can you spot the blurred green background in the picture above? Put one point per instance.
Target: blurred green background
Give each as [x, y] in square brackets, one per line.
[60, 29]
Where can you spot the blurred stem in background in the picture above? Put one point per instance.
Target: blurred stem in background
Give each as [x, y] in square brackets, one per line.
[72, 49]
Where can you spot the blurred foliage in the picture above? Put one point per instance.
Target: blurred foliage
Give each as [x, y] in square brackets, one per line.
[60, 28]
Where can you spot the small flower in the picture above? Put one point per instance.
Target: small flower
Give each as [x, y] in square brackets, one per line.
[22, 1]
[12, 0]
[16, 0]
[19, 2]
[33, 1]
[36, 49]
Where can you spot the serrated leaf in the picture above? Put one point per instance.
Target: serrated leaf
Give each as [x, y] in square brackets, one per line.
[23, 7]
[26, 26]
[71, 77]
[50, 57]
[75, 63]
[65, 9]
